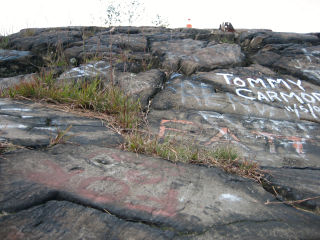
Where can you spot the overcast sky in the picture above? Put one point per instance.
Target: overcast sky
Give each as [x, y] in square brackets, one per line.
[277, 15]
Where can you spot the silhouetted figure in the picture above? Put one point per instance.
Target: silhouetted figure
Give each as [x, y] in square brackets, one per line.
[226, 27]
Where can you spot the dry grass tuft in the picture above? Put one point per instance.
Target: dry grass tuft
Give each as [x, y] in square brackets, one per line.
[6, 147]
[92, 96]
[61, 137]
[224, 157]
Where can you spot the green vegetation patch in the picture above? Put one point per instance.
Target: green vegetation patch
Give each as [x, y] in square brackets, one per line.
[4, 42]
[84, 95]
[225, 157]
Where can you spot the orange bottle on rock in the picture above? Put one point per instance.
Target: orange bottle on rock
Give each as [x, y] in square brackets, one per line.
[189, 25]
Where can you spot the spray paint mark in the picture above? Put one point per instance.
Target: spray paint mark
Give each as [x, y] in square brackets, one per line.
[16, 109]
[115, 189]
[224, 135]
[163, 128]
[12, 126]
[229, 197]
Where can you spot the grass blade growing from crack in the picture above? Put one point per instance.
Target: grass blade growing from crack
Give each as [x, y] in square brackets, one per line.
[61, 137]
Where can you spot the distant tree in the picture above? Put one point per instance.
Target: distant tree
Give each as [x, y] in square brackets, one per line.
[113, 13]
[123, 12]
[129, 12]
[134, 10]
[160, 21]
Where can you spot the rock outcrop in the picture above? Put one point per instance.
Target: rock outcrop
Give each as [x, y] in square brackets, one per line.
[256, 90]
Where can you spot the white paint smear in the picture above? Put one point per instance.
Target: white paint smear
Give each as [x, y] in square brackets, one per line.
[16, 109]
[21, 126]
[46, 128]
[207, 115]
[230, 197]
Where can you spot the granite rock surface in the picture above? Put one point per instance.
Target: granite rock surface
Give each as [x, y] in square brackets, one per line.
[256, 90]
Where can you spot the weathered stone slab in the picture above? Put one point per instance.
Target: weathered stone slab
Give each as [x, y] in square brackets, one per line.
[212, 57]
[257, 39]
[140, 86]
[33, 125]
[44, 40]
[167, 34]
[14, 62]
[244, 230]
[105, 44]
[89, 71]
[190, 55]
[298, 60]
[188, 199]
[296, 184]
[254, 91]
[12, 81]
[143, 85]
[66, 220]
[266, 141]
[173, 50]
